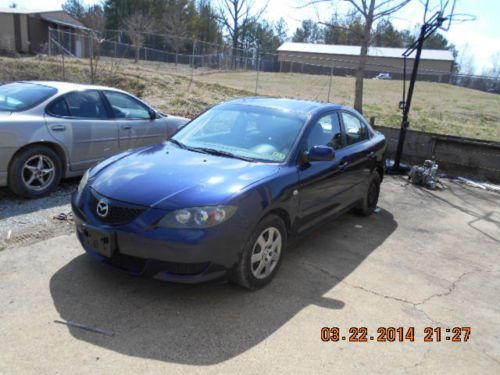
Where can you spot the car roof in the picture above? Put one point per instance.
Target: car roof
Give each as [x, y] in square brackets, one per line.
[293, 105]
[69, 86]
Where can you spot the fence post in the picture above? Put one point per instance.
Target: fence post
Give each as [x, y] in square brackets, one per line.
[91, 56]
[330, 84]
[50, 42]
[63, 67]
[257, 77]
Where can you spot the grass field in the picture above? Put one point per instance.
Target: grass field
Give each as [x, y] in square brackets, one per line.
[437, 108]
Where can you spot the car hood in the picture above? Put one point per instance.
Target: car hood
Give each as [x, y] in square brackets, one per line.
[166, 176]
[4, 114]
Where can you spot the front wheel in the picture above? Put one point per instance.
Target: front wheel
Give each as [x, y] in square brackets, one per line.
[262, 255]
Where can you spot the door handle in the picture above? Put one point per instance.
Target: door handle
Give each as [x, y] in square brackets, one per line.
[58, 128]
[343, 166]
[371, 155]
[126, 127]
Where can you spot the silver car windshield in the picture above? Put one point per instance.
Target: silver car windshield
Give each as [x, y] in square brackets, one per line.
[243, 131]
[20, 96]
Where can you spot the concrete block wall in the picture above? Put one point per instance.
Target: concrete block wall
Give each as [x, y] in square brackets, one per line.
[456, 156]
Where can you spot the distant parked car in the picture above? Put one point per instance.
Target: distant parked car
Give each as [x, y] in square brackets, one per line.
[225, 194]
[53, 130]
[383, 76]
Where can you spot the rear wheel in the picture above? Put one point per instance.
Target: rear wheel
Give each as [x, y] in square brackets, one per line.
[370, 200]
[262, 255]
[35, 172]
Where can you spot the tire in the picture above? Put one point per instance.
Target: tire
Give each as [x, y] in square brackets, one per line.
[247, 273]
[26, 164]
[369, 202]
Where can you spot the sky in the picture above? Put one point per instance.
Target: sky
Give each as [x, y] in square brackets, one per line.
[478, 40]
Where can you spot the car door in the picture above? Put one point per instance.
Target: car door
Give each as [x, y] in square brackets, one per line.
[322, 184]
[80, 121]
[137, 126]
[359, 159]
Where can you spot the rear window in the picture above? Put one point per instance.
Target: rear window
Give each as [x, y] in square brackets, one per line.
[20, 96]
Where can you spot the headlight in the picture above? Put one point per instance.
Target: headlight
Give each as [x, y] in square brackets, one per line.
[197, 217]
[83, 181]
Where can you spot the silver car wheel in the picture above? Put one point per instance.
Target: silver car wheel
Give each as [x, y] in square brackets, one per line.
[266, 253]
[38, 172]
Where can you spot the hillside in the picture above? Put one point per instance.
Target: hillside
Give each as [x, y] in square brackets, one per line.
[438, 108]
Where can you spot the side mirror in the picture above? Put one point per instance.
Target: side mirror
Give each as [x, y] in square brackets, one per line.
[152, 114]
[320, 153]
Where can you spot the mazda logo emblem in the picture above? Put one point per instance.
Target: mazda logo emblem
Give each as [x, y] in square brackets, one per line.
[102, 208]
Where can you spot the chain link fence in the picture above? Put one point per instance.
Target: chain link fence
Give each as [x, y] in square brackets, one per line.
[194, 57]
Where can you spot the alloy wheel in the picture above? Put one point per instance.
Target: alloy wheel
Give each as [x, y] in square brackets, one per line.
[266, 253]
[38, 172]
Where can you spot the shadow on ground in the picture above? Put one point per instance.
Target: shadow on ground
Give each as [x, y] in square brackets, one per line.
[208, 324]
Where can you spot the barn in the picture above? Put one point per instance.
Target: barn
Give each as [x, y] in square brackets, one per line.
[25, 31]
[435, 65]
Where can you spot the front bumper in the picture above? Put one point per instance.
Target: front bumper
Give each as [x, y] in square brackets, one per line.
[185, 256]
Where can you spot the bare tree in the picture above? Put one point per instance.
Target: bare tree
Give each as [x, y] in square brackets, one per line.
[95, 20]
[237, 16]
[175, 22]
[370, 11]
[136, 26]
[494, 70]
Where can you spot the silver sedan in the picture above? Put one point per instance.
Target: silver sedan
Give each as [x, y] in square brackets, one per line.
[54, 130]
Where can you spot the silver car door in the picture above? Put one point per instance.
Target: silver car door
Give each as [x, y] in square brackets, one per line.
[79, 120]
[138, 124]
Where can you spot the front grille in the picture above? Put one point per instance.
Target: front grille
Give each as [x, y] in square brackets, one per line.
[118, 213]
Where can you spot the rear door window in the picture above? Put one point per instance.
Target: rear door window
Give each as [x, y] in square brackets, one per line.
[86, 105]
[58, 108]
[355, 130]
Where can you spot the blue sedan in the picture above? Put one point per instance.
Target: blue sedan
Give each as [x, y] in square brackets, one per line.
[222, 198]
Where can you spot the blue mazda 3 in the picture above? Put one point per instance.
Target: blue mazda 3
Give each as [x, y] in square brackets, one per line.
[222, 198]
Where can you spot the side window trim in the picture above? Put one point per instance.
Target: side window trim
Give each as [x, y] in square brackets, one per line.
[134, 99]
[71, 117]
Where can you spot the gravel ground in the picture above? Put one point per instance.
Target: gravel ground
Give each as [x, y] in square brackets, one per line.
[23, 222]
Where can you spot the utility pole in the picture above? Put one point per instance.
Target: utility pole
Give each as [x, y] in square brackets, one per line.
[426, 30]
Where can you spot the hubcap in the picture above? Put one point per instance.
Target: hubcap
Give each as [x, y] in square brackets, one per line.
[266, 253]
[38, 172]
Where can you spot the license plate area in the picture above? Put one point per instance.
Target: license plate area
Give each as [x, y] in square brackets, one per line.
[100, 241]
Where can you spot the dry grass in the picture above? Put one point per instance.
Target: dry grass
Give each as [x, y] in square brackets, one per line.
[165, 90]
[437, 108]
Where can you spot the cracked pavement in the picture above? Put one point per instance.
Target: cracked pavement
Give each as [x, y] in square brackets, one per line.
[428, 259]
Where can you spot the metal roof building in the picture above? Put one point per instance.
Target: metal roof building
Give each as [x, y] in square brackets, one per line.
[316, 58]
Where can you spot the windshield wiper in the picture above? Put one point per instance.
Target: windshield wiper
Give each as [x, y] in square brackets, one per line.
[177, 143]
[213, 151]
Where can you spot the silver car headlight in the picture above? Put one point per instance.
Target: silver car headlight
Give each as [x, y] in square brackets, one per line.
[197, 217]
[83, 181]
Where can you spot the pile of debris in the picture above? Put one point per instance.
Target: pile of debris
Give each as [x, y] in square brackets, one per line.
[425, 175]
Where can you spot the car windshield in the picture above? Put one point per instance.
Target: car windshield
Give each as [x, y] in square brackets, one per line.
[19, 96]
[243, 131]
